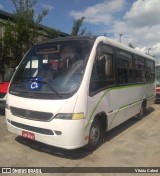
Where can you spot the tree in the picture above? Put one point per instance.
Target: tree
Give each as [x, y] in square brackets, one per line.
[83, 31]
[22, 32]
[7, 42]
[77, 25]
[52, 33]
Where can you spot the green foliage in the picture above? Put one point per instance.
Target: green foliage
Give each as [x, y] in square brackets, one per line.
[23, 32]
[82, 32]
[52, 33]
[76, 26]
[77, 30]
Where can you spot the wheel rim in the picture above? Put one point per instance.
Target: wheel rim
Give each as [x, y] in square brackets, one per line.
[94, 134]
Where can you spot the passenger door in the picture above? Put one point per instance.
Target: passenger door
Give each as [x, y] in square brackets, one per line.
[103, 97]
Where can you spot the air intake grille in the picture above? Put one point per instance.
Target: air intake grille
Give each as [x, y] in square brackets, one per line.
[31, 128]
[33, 115]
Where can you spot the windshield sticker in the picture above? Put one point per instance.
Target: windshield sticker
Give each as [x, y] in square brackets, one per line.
[35, 84]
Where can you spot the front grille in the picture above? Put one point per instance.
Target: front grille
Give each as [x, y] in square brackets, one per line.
[2, 95]
[33, 115]
[33, 129]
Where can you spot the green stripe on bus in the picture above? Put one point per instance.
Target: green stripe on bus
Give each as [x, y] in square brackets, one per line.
[125, 107]
[114, 88]
[97, 106]
[129, 104]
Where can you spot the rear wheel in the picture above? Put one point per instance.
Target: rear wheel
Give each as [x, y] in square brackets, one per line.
[95, 136]
[142, 112]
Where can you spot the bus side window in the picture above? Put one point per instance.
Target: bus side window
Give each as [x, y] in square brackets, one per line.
[150, 71]
[125, 67]
[102, 73]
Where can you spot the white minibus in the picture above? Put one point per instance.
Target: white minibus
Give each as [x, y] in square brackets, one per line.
[68, 92]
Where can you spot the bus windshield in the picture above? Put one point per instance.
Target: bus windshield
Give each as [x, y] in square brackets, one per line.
[157, 76]
[52, 69]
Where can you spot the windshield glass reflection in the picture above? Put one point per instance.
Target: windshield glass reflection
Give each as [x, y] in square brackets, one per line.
[56, 67]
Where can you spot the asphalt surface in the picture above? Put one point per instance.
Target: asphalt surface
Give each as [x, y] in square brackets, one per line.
[132, 144]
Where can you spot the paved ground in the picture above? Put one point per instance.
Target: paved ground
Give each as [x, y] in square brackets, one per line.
[132, 144]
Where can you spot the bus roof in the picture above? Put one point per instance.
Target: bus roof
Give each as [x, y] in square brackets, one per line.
[125, 47]
[68, 39]
[100, 38]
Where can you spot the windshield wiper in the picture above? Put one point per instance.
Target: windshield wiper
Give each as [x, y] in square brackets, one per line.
[50, 86]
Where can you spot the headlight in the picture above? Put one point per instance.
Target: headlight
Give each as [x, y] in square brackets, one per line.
[68, 116]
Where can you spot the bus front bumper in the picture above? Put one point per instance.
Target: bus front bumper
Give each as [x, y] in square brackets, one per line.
[66, 134]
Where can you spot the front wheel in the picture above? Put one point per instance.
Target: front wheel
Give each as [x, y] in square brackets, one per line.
[95, 136]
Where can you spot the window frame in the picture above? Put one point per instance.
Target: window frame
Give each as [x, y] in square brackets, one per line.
[98, 50]
[151, 79]
[134, 55]
[119, 67]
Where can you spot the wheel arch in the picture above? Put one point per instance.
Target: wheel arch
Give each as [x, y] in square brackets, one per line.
[144, 102]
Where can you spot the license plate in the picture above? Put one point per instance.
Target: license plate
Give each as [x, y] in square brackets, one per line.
[28, 135]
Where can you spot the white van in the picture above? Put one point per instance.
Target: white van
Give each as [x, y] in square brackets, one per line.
[68, 92]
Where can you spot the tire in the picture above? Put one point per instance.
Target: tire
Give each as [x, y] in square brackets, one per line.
[142, 112]
[95, 136]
